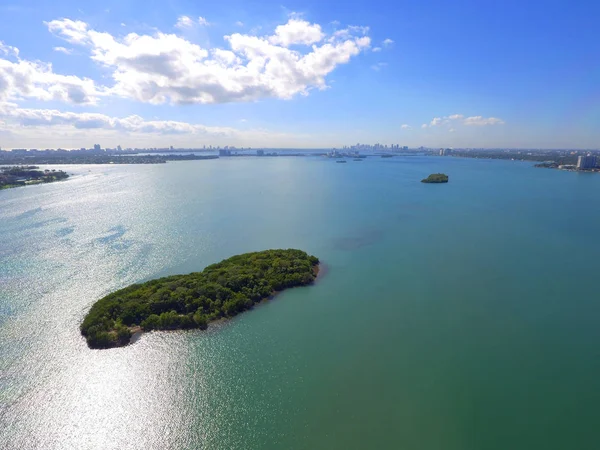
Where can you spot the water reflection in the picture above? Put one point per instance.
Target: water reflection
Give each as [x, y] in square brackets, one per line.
[424, 321]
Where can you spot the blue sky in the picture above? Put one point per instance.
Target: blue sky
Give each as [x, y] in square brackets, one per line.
[300, 74]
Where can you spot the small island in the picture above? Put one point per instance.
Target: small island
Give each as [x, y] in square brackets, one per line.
[221, 290]
[16, 176]
[436, 178]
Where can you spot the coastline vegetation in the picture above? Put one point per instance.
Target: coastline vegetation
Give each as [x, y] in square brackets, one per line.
[436, 178]
[17, 176]
[76, 157]
[221, 290]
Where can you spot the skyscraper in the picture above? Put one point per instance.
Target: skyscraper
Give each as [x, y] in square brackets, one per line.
[586, 162]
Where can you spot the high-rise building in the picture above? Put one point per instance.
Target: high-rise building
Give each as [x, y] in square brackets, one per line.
[97, 147]
[586, 162]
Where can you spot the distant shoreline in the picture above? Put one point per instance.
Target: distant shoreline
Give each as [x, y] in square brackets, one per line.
[21, 176]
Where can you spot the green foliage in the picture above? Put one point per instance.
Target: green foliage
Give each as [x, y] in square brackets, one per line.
[221, 290]
[436, 178]
[201, 319]
[22, 175]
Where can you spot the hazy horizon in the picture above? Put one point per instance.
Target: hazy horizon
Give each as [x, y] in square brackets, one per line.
[531, 149]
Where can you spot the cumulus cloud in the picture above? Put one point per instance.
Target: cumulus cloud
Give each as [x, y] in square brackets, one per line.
[66, 51]
[376, 49]
[297, 32]
[22, 79]
[239, 23]
[459, 119]
[163, 67]
[387, 42]
[203, 21]
[406, 126]
[182, 22]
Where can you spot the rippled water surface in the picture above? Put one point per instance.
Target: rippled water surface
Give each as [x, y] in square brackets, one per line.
[458, 316]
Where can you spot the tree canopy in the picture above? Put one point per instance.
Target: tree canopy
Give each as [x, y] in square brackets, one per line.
[192, 301]
[16, 176]
[436, 178]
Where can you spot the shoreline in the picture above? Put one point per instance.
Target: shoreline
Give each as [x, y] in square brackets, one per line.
[320, 270]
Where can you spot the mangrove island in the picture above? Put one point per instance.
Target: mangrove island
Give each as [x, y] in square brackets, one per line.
[221, 290]
[17, 176]
[436, 178]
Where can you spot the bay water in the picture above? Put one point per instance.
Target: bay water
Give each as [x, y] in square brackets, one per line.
[457, 316]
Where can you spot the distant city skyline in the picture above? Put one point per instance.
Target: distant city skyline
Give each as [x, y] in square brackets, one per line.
[320, 75]
[364, 147]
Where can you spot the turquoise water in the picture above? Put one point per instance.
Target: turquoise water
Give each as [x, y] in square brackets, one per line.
[459, 316]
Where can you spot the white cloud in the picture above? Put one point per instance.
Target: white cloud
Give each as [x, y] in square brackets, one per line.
[73, 31]
[406, 126]
[376, 49]
[8, 50]
[24, 127]
[23, 79]
[424, 125]
[352, 30]
[297, 32]
[459, 119]
[203, 21]
[387, 42]
[480, 121]
[359, 29]
[182, 22]
[377, 67]
[66, 51]
[134, 124]
[239, 23]
[163, 67]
